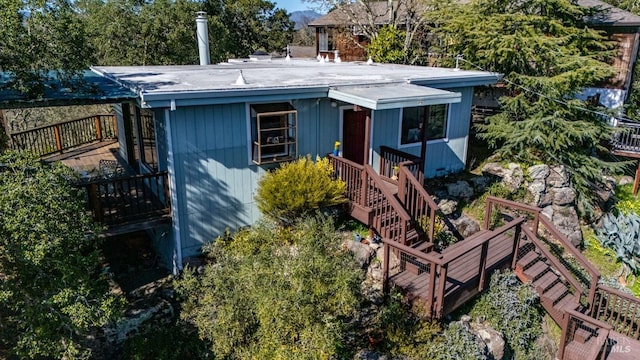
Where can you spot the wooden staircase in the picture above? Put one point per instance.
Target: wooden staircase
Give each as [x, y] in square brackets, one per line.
[597, 322]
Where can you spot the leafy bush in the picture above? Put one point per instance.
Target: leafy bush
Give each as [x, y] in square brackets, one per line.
[158, 341]
[388, 46]
[622, 234]
[279, 301]
[52, 293]
[626, 203]
[513, 309]
[298, 189]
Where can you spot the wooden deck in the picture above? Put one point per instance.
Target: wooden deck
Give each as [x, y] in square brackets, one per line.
[86, 159]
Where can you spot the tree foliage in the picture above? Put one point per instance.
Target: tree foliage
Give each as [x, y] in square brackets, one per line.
[52, 293]
[388, 46]
[548, 56]
[285, 301]
[40, 40]
[299, 188]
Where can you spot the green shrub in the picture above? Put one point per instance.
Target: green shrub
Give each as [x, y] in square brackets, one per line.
[626, 203]
[159, 341]
[513, 309]
[277, 302]
[298, 189]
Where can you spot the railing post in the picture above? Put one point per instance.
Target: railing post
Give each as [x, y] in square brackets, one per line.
[94, 202]
[592, 291]
[364, 189]
[432, 223]
[487, 214]
[98, 128]
[115, 126]
[441, 289]
[385, 268]
[402, 184]
[483, 264]
[56, 131]
[536, 222]
[516, 246]
[563, 337]
[431, 290]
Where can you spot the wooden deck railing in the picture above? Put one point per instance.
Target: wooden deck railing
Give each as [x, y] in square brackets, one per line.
[619, 310]
[128, 198]
[589, 332]
[417, 200]
[367, 190]
[58, 137]
[627, 138]
[468, 258]
[391, 158]
[575, 265]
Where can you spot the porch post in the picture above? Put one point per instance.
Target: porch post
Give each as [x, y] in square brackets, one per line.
[367, 136]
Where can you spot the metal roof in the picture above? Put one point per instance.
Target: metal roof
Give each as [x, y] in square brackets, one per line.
[393, 96]
[96, 90]
[170, 86]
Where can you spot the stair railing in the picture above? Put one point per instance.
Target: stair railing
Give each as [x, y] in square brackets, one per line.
[416, 199]
[621, 311]
[541, 224]
[575, 321]
[391, 158]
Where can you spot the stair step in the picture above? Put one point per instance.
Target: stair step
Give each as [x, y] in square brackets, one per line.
[582, 335]
[526, 261]
[565, 300]
[544, 282]
[577, 351]
[535, 271]
[556, 291]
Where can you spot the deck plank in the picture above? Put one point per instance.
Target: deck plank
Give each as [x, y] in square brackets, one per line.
[622, 347]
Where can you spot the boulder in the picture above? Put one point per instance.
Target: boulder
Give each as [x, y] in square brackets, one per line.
[393, 259]
[480, 183]
[460, 189]
[563, 196]
[547, 211]
[492, 338]
[537, 188]
[565, 218]
[625, 180]
[538, 172]
[448, 206]
[514, 178]
[494, 169]
[363, 253]
[466, 226]
[366, 354]
[558, 177]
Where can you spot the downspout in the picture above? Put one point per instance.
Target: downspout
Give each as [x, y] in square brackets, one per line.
[177, 257]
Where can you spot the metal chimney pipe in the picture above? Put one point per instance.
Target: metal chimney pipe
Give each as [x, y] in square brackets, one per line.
[203, 37]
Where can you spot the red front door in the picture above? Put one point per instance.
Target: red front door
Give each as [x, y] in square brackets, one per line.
[354, 126]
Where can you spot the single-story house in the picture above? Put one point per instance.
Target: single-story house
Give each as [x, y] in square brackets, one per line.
[218, 128]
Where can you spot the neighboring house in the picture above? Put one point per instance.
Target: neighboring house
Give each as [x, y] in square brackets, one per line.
[217, 129]
[341, 30]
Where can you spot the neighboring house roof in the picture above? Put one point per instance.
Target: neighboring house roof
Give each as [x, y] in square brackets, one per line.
[97, 90]
[171, 86]
[610, 15]
[359, 13]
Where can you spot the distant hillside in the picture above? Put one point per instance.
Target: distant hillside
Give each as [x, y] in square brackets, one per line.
[302, 18]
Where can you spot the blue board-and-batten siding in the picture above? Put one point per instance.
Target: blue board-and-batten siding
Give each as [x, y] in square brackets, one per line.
[215, 182]
[443, 156]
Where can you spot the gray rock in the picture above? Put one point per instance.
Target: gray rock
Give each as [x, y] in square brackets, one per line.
[393, 259]
[545, 200]
[558, 177]
[362, 252]
[491, 337]
[547, 212]
[466, 226]
[538, 172]
[480, 183]
[563, 196]
[366, 354]
[625, 180]
[565, 218]
[537, 190]
[460, 189]
[514, 177]
[448, 206]
[494, 169]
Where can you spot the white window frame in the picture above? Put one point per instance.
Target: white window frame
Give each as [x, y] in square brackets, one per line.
[413, 144]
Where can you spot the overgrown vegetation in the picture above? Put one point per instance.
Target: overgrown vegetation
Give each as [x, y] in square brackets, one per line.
[298, 189]
[53, 292]
[512, 308]
[159, 341]
[621, 233]
[285, 299]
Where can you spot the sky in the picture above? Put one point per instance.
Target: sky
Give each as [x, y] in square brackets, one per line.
[292, 5]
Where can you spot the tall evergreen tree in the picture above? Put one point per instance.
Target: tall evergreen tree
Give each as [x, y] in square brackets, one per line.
[548, 55]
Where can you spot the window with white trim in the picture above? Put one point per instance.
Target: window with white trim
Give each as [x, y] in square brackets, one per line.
[273, 133]
[435, 116]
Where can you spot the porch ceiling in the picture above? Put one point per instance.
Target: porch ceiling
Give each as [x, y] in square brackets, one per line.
[393, 96]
